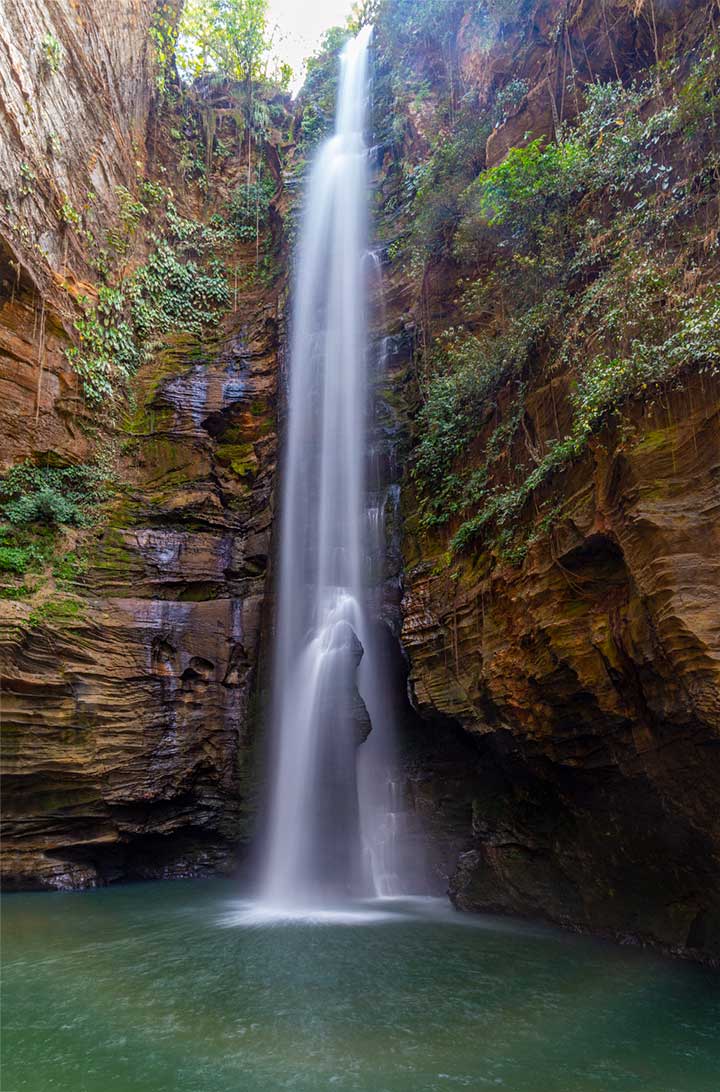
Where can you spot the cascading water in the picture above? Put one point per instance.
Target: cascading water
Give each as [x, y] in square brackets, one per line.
[323, 841]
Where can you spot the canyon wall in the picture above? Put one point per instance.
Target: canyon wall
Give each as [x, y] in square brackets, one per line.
[577, 644]
[129, 646]
[561, 744]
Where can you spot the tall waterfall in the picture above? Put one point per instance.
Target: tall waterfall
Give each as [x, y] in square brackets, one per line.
[323, 840]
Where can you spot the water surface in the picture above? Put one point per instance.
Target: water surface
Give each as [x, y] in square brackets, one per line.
[182, 987]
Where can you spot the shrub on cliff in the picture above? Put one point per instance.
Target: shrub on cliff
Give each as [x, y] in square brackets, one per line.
[520, 191]
[605, 234]
[51, 495]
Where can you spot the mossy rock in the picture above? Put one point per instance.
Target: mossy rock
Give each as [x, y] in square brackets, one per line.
[654, 439]
[147, 420]
[171, 464]
[240, 458]
[54, 612]
[112, 556]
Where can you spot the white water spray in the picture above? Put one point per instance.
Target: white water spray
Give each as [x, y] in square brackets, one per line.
[325, 839]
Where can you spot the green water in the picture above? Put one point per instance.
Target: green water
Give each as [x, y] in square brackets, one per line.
[172, 988]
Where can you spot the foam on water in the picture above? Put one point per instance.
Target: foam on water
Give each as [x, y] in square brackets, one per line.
[398, 908]
[261, 914]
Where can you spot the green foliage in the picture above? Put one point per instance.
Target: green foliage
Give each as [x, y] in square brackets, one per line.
[24, 549]
[466, 371]
[249, 207]
[170, 293]
[28, 178]
[692, 339]
[502, 505]
[688, 334]
[107, 350]
[411, 26]
[698, 100]
[226, 36]
[531, 194]
[508, 99]
[52, 52]
[433, 190]
[15, 591]
[51, 495]
[15, 559]
[319, 91]
[518, 191]
[67, 212]
[131, 210]
[46, 505]
[163, 35]
[590, 253]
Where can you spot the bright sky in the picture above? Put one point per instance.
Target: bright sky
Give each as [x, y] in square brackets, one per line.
[302, 24]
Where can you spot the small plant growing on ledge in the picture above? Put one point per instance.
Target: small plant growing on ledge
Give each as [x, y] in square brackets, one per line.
[67, 212]
[52, 52]
[15, 559]
[28, 179]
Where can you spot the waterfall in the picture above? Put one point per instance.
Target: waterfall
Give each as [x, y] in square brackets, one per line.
[324, 838]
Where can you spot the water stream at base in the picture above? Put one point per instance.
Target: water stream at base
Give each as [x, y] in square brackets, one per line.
[333, 817]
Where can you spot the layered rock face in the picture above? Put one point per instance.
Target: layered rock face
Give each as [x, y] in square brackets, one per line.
[77, 86]
[589, 680]
[126, 701]
[584, 674]
[127, 729]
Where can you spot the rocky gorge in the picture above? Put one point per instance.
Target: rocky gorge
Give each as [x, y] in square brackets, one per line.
[551, 580]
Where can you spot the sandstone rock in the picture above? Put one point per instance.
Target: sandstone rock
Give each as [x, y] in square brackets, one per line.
[127, 726]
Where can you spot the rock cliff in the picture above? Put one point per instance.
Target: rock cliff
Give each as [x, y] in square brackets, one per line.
[129, 646]
[564, 614]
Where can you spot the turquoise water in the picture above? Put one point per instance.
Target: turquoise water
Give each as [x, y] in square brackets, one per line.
[175, 987]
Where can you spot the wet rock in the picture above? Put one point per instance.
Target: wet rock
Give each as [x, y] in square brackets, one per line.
[341, 698]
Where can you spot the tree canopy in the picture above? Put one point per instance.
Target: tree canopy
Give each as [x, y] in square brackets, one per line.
[231, 37]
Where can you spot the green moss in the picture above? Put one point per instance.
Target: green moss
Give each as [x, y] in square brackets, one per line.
[112, 557]
[145, 421]
[240, 458]
[654, 440]
[56, 611]
[69, 568]
[16, 591]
